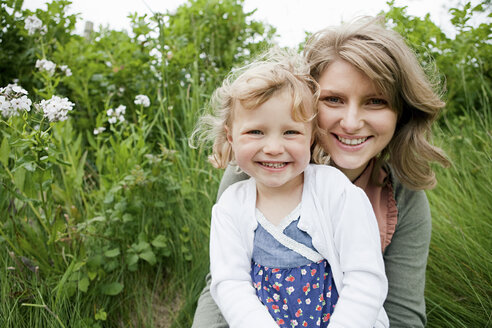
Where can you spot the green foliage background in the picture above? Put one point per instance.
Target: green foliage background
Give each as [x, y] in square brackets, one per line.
[111, 230]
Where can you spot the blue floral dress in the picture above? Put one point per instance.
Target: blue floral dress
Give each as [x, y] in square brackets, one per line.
[291, 278]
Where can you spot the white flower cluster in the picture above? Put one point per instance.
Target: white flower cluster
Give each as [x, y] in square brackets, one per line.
[116, 114]
[142, 100]
[34, 24]
[99, 130]
[56, 108]
[48, 66]
[67, 71]
[45, 65]
[13, 99]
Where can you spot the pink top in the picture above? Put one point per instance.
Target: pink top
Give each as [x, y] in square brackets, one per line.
[383, 203]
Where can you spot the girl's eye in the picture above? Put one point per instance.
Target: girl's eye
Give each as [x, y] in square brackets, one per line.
[291, 132]
[332, 99]
[254, 132]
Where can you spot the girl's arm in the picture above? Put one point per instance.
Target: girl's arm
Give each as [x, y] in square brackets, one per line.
[406, 258]
[363, 282]
[230, 266]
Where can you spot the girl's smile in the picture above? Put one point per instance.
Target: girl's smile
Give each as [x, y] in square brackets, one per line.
[269, 144]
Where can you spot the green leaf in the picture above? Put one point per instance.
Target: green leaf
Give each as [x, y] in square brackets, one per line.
[141, 247]
[30, 166]
[109, 198]
[148, 256]
[131, 259]
[112, 289]
[19, 177]
[92, 274]
[127, 217]
[83, 284]
[112, 253]
[5, 152]
[101, 315]
[159, 241]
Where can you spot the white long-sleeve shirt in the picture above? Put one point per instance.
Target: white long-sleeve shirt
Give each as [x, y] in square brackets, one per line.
[340, 220]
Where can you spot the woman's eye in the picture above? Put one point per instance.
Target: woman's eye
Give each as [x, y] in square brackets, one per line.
[378, 101]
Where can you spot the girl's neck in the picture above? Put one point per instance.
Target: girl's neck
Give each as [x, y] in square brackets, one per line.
[277, 203]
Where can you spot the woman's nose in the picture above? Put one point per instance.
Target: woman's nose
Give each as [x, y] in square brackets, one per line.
[352, 119]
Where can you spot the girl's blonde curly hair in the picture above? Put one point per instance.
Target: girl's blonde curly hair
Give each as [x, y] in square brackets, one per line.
[252, 85]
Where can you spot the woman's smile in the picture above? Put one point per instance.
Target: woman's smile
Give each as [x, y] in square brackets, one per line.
[351, 141]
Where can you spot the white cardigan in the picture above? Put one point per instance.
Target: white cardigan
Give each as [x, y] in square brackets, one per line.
[340, 220]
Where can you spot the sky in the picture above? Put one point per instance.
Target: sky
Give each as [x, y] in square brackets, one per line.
[292, 18]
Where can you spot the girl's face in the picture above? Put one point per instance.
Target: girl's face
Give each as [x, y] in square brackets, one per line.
[355, 117]
[269, 145]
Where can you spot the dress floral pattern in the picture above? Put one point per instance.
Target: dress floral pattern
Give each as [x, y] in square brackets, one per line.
[304, 296]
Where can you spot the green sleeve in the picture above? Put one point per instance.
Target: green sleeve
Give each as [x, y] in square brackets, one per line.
[207, 314]
[231, 175]
[405, 259]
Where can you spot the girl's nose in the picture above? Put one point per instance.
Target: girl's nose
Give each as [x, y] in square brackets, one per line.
[273, 146]
[352, 119]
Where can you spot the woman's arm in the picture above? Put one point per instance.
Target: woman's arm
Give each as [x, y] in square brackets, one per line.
[405, 259]
[231, 175]
[207, 314]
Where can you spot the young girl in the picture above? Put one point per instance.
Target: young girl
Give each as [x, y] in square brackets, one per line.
[297, 244]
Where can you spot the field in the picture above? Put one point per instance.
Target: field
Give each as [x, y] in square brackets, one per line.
[105, 208]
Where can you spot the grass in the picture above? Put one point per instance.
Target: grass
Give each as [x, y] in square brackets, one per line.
[459, 272]
[458, 290]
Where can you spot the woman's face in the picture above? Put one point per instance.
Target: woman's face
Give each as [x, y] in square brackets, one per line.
[356, 119]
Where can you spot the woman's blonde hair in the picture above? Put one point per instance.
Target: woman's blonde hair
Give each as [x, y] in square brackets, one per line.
[384, 57]
[252, 85]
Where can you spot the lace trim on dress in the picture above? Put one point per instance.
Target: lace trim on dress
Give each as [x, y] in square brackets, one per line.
[278, 234]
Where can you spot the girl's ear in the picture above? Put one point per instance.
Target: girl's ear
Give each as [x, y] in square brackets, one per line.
[228, 133]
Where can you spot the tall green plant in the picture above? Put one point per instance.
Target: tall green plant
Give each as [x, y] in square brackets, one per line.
[463, 59]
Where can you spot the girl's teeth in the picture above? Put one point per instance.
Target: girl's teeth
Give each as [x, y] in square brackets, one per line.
[273, 165]
[352, 142]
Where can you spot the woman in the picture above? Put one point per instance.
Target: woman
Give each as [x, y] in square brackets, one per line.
[375, 112]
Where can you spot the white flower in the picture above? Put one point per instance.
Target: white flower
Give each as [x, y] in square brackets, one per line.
[99, 130]
[18, 89]
[120, 110]
[12, 90]
[66, 70]
[56, 109]
[13, 99]
[116, 114]
[45, 65]
[21, 103]
[34, 24]
[6, 107]
[142, 100]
